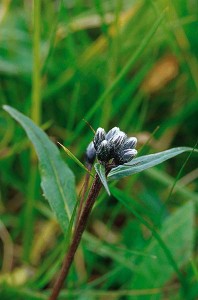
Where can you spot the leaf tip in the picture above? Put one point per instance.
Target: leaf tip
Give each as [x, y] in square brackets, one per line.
[108, 192]
[5, 107]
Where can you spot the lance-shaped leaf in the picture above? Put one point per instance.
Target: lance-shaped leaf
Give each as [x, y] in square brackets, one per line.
[57, 179]
[100, 170]
[144, 162]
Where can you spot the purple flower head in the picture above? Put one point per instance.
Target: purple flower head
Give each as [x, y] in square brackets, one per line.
[114, 145]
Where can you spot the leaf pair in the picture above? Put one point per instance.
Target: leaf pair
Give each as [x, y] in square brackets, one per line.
[138, 164]
[58, 181]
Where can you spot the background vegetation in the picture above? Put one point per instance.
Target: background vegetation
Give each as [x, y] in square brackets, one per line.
[121, 63]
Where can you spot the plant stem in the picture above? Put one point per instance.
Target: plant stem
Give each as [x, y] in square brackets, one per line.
[95, 189]
[82, 199]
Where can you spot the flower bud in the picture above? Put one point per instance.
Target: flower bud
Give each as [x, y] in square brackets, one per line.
[103, 151]
[112, 132]
[90, 154]
[99, 137]
[117, 140]
[127, 155]
[130, 143]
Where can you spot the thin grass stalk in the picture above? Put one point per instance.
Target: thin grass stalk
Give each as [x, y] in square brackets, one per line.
[36, 117]
[120, 76]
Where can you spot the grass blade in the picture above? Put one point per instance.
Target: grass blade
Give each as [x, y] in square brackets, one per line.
[121, 75]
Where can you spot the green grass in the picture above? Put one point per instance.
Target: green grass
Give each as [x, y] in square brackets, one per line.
[65, 61]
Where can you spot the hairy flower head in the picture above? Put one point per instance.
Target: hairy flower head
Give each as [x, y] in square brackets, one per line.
[114, 145]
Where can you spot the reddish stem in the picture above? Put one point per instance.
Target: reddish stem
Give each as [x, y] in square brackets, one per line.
[95, 189]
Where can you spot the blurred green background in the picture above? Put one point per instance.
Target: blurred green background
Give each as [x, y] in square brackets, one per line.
[126, 63]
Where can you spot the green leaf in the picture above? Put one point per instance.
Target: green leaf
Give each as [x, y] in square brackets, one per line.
[100, 170]
[142, 163]
[58, 182]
